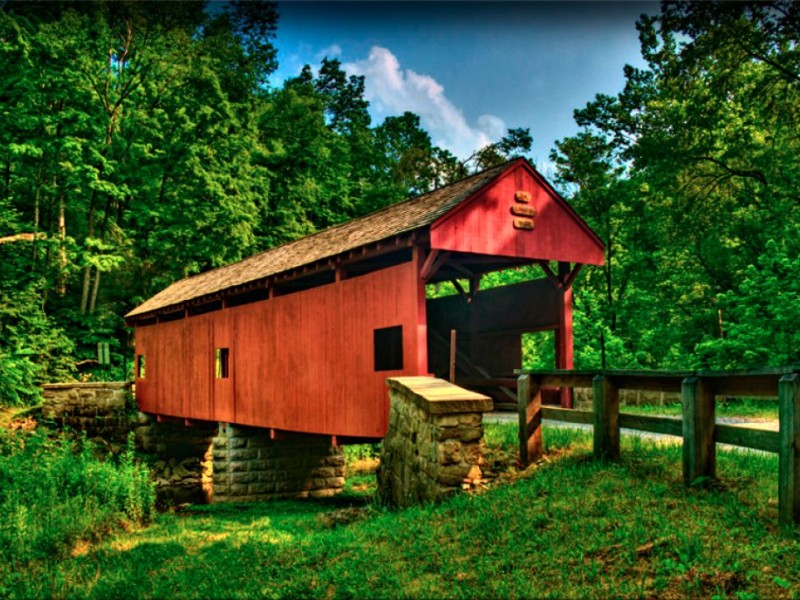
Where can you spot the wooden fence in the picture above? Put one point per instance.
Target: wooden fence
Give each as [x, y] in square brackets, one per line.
[697, 426]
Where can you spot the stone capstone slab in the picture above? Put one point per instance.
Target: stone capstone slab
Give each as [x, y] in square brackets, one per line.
[438, 397]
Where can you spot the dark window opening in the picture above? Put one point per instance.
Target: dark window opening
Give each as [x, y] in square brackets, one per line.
[222, 363]
[389, 348]
[140, 366]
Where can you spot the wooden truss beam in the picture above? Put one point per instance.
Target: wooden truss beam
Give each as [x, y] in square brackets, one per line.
[433, 262]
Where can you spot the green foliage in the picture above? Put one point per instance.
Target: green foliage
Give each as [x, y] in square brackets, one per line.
[356, 452]
[759, 318]
[55, 493]
[517, 142]
[32, 351]
[687, 175]
[140, 144]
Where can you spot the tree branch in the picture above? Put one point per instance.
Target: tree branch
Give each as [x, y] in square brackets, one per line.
[22, 237]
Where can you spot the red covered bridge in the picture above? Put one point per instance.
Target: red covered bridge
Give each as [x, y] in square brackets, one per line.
[302, 338]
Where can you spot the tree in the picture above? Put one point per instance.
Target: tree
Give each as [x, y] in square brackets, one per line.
[697, 150]
[513, 144]
[129, 148]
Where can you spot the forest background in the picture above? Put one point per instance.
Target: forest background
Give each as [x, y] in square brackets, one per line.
[141, 143]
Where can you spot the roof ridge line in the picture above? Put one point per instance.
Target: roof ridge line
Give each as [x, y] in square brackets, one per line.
[401, 217]
[343, 223]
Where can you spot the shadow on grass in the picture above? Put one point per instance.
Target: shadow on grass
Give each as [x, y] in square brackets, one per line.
[277, 508]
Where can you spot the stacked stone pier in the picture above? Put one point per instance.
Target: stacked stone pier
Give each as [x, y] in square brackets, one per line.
[434, 446]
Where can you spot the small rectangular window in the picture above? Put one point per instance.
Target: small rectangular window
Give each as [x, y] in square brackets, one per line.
[389, 348]
[221, 363]
[140, 366]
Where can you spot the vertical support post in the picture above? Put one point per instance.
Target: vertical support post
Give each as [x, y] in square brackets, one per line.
[529, 403]
[789, 450]
[699, 449]
[422, 318]
[605, 400]
[564, 350]
[453, 347]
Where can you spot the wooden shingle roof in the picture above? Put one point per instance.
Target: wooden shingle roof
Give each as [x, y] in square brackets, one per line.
[403, 217]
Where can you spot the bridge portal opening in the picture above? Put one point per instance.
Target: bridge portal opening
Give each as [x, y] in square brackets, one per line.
[483, 327]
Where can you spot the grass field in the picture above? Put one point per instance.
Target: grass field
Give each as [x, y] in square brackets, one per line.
[569, 527]
[756, 409]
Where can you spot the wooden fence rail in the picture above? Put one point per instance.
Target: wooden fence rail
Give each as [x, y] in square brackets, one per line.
[697, 426]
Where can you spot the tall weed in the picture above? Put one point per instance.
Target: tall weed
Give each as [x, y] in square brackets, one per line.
[56, 492]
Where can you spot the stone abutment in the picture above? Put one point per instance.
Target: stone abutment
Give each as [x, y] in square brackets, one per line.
[434, 446]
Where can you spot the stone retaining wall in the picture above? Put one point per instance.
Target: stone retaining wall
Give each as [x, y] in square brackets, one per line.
[180, 457]
[99, 409]
[248, 465]
[434, 446]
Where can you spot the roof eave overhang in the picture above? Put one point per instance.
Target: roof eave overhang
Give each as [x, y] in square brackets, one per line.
[419, 235]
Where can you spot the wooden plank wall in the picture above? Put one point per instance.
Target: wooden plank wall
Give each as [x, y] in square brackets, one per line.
[300, 362]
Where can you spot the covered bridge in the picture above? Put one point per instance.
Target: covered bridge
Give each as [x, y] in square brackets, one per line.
[302, 338]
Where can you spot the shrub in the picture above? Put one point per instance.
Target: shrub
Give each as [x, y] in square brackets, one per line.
[358, 452]
[56, 492]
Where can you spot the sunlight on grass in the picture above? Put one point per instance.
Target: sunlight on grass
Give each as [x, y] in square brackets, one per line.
[745, 408]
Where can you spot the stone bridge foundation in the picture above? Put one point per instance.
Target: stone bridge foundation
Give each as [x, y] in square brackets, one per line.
[198, 461]
[249, 465]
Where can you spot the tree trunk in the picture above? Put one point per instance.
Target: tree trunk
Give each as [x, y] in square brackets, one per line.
[87, 271]
[36, 217]
[95, 287]
[62, 252]
[87, 279]
[8, 178]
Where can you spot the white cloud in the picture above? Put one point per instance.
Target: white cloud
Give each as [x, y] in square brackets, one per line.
[331, 51]
[494, 127]
[392, 91]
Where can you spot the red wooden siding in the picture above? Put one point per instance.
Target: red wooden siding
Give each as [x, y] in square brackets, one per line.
[179, 368]
[485, 224]
[300, 362]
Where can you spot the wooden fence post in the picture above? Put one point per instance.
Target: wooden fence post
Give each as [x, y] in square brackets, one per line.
[789, 450]
[605, 401]
[529, 404]
[699, 449]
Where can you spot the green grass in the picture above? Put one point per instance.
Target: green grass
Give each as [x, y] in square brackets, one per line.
[569, 527]
[756, 409]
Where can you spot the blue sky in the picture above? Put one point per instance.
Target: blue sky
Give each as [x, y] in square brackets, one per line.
[471, 69]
